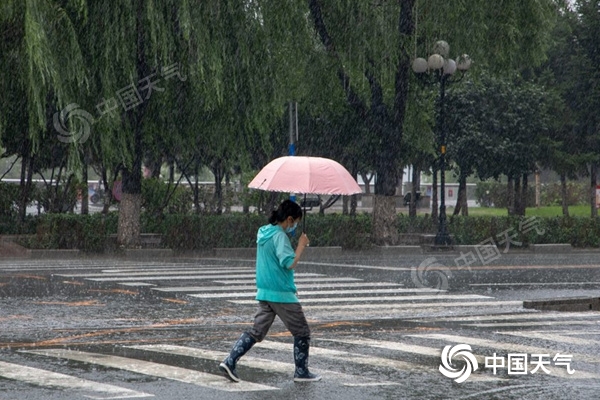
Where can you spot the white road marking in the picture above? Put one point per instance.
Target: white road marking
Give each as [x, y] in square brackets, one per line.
[183, 277]
[402, 306]
[399, 299]
[252, 362]
[40, 377]
[161, 272]
[180, 267]
[533, 314]
[317, 292]
[253, 287]
[534, 284]
[532, 323]
[136, 284]
[388, 345]
[357, 358]
[297, 280]
[153, 369]
[498, 346]
[554, 337]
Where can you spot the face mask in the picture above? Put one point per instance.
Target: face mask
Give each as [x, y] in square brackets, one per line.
[292, 229]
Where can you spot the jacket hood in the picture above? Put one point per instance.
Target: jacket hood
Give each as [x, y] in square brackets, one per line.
[266, 232]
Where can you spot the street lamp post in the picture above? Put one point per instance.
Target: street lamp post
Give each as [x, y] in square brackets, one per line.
[440, 69]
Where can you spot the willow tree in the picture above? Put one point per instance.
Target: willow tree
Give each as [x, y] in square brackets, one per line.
[373, 43]
[37, 76]
[161, 68]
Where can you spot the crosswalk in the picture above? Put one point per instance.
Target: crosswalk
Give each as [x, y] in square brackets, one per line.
[424, 321]
[347, 361]
[324, 296]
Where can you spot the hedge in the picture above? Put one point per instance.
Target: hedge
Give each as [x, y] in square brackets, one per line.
[198, 232]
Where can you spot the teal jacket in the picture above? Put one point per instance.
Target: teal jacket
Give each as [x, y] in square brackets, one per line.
[274, 257]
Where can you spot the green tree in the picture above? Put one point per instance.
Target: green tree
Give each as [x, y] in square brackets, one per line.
[372, 45]
[230, 58]
[498, 127]
[38, 78]
[583, 94]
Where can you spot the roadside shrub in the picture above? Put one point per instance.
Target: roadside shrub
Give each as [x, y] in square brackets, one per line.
[203, 232]
[8, 193]
[154, 197]
[200, 232]
[577, 194]
[495, 194]
[73, 231]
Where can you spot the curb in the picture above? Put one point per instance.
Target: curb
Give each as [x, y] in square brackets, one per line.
[396, 250]
[564, 304]
[53, 254]
[551, 248]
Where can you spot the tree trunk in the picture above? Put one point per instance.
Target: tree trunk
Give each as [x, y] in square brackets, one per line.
[24, 194]
[524, 189]
[564, 194]
[218, 195]
[593, 183]
[385, 231]
[85, 198]
[538, 188]
[196, 193]
[434, 195]
[367, 181]
[107, 192]
[227, 193]
[353, 204]
[517, 197]
[461, 198]
[415, 184]
[128, 231]
[510, 196]
[171, 171]
[386, 124]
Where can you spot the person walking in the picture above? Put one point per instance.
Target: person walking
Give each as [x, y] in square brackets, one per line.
[276, 292]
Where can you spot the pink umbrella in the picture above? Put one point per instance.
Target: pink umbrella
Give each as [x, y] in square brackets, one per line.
[313, 175]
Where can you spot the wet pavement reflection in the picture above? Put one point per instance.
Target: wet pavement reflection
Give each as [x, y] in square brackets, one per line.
[160, 328]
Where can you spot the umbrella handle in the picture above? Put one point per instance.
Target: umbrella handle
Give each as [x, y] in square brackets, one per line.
[304, 215]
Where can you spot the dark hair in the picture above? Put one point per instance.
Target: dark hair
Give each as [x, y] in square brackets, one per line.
[287, 208]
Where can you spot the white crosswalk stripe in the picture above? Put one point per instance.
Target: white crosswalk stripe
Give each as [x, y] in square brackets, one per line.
[315, 292]
[153, 369]
[357, 358]
[328, 296]
[324, 295]
[253, 287]
[333, 352]
[525, 318]
[198, 276]
[534, 323]
[40, 377]
[165, 273]
[394, 299]
[255, 362]
[237, 281]
[553, 337]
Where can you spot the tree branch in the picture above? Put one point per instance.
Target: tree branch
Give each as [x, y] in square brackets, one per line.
[353, 99]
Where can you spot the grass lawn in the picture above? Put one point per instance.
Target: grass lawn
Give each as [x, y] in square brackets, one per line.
[553, 211]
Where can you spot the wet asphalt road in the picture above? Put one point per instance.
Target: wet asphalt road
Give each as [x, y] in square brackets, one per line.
[112, 328]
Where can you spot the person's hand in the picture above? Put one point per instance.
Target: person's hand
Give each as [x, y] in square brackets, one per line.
[303, 240]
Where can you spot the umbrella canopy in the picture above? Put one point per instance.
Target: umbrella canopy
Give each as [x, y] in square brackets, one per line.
[312, 175]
